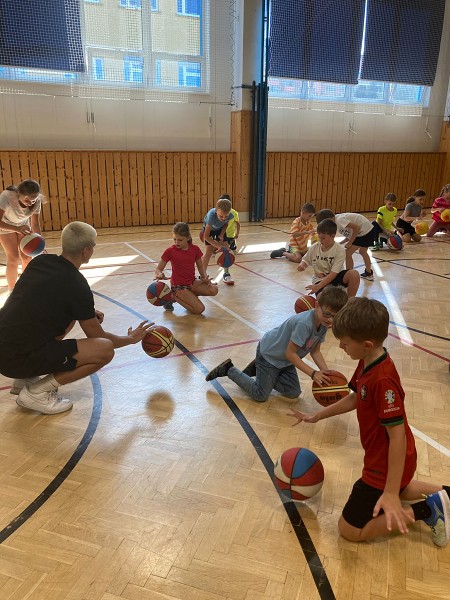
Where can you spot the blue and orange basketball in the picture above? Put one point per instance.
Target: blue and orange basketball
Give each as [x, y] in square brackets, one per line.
[395, 242]
[32, 244]
[299, 473]
[159, 293]
[225, 258]
[304, 303]
[158, 342]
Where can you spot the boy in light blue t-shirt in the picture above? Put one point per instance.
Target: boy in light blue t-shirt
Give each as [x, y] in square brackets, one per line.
[282, 349]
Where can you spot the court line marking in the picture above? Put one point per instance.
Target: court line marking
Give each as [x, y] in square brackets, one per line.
[424, 437]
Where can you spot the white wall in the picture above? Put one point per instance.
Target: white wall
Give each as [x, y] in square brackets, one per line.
[59, 122]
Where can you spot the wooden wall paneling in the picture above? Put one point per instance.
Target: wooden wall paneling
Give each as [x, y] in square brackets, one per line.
[5, 169]
[78, 187]
[53, 191]
[216, 178]
[141, 188]
[230, 160]
[204, 189]
[173, 214]
[269, 185]
[156, 196]
[317, 182]
[24, 165]
[179, 208]
[197, 188]
[163, 203]
[150, 214]
[294, 199]
[70, 187]
[286, 185]
[322, 191]
[347, 191]
[281, 188]
[62, 191]
[16, 174]
[276, 184]
[339, 186]
[103, 189]
[34, 169]
[86, 189]
[46, 213]
[95, 189]
[191, 186]
[128, 201]
[211, 195]
[185, 200]
[118, 188]
[354, 179]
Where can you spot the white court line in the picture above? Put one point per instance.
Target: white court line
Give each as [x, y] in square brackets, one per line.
[138, 252]
[235, 315]
[439, 447]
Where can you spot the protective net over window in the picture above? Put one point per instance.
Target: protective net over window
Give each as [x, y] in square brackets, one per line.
[129, 49]
[375, 56]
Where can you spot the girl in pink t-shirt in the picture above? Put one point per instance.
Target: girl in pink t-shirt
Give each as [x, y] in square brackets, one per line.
[439, 205]
[184, 256]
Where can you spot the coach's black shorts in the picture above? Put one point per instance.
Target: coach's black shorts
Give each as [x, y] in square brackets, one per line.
[55, 356]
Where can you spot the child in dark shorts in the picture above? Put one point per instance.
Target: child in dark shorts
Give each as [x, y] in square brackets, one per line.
[376, 505]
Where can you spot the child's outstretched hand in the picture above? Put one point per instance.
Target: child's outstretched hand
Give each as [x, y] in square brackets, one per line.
[160, 276]
[302, 417]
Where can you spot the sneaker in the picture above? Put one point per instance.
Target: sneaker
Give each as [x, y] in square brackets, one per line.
[47, 403]
[367, 276]
[278, 253]
[228, 279]
[250, 369]
[439, 521]
[220, 371]
[376, 247]
[18, 384]
[169, 306]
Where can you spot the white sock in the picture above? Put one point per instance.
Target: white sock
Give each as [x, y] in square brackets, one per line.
[46, 384]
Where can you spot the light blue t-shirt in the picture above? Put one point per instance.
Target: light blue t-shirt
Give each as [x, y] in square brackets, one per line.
[300, 330]
[213, 220]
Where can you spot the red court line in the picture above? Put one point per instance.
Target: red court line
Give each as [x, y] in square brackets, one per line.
[447, 360]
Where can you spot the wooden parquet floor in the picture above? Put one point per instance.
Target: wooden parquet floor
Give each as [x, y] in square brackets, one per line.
[156, 485]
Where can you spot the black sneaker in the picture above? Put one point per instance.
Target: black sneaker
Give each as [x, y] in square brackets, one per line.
[367, 276]
[168, 306]
[220, 371]
[278, 253]
[250, 369]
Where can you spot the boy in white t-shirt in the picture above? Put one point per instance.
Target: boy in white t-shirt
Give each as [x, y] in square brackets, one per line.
[359, 233]
[327, 258]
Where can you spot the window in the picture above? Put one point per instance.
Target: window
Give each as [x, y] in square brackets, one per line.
[189, 8]
[154, 5]
[189, 74]
[92, 1]
[130, 4]
[97, 69]
[133, 69]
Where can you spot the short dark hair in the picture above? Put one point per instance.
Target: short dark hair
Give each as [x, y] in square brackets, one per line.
[362, 319]
[323, 214]
[327, 226]
[391, 197]
[309, 208]
[334, 297]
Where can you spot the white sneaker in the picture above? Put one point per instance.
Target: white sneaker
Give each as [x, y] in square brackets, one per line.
[228, 279]
[47, 403]
[18, 384]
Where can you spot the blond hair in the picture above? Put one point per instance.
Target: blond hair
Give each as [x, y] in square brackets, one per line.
[362, 319]
[224, 204]
[76, 236]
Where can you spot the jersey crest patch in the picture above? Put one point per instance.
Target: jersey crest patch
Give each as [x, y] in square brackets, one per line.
[363, 393]
[389, 396]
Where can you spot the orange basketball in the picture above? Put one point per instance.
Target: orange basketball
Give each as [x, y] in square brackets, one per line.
[158, 342]
[422, 228]
[304, 303]
[329, 394]
[445, 215]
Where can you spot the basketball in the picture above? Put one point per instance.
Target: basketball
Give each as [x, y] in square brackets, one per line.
[422, 228]
[329, 394]
[299, 473]
[304, 303]
[159, 293]
[395, 242]
[158, 342]
[32, 244]
[225, 259]
[445, 215]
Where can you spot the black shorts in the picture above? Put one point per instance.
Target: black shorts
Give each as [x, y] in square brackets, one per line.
[215, 234]
[231, 242]
[358, 510]
[55, 356]
[339, 279]
[365, 241]
[407, 227]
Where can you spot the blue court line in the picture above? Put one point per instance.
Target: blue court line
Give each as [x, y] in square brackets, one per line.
[66, 470]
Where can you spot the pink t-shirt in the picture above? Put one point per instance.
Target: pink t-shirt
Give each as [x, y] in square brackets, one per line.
[183, 263]
[439, 203]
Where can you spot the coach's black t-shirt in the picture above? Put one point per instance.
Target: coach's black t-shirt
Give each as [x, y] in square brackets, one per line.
[48, 296]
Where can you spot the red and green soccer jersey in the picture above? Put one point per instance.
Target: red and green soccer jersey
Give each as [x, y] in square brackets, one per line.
[381, 405]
